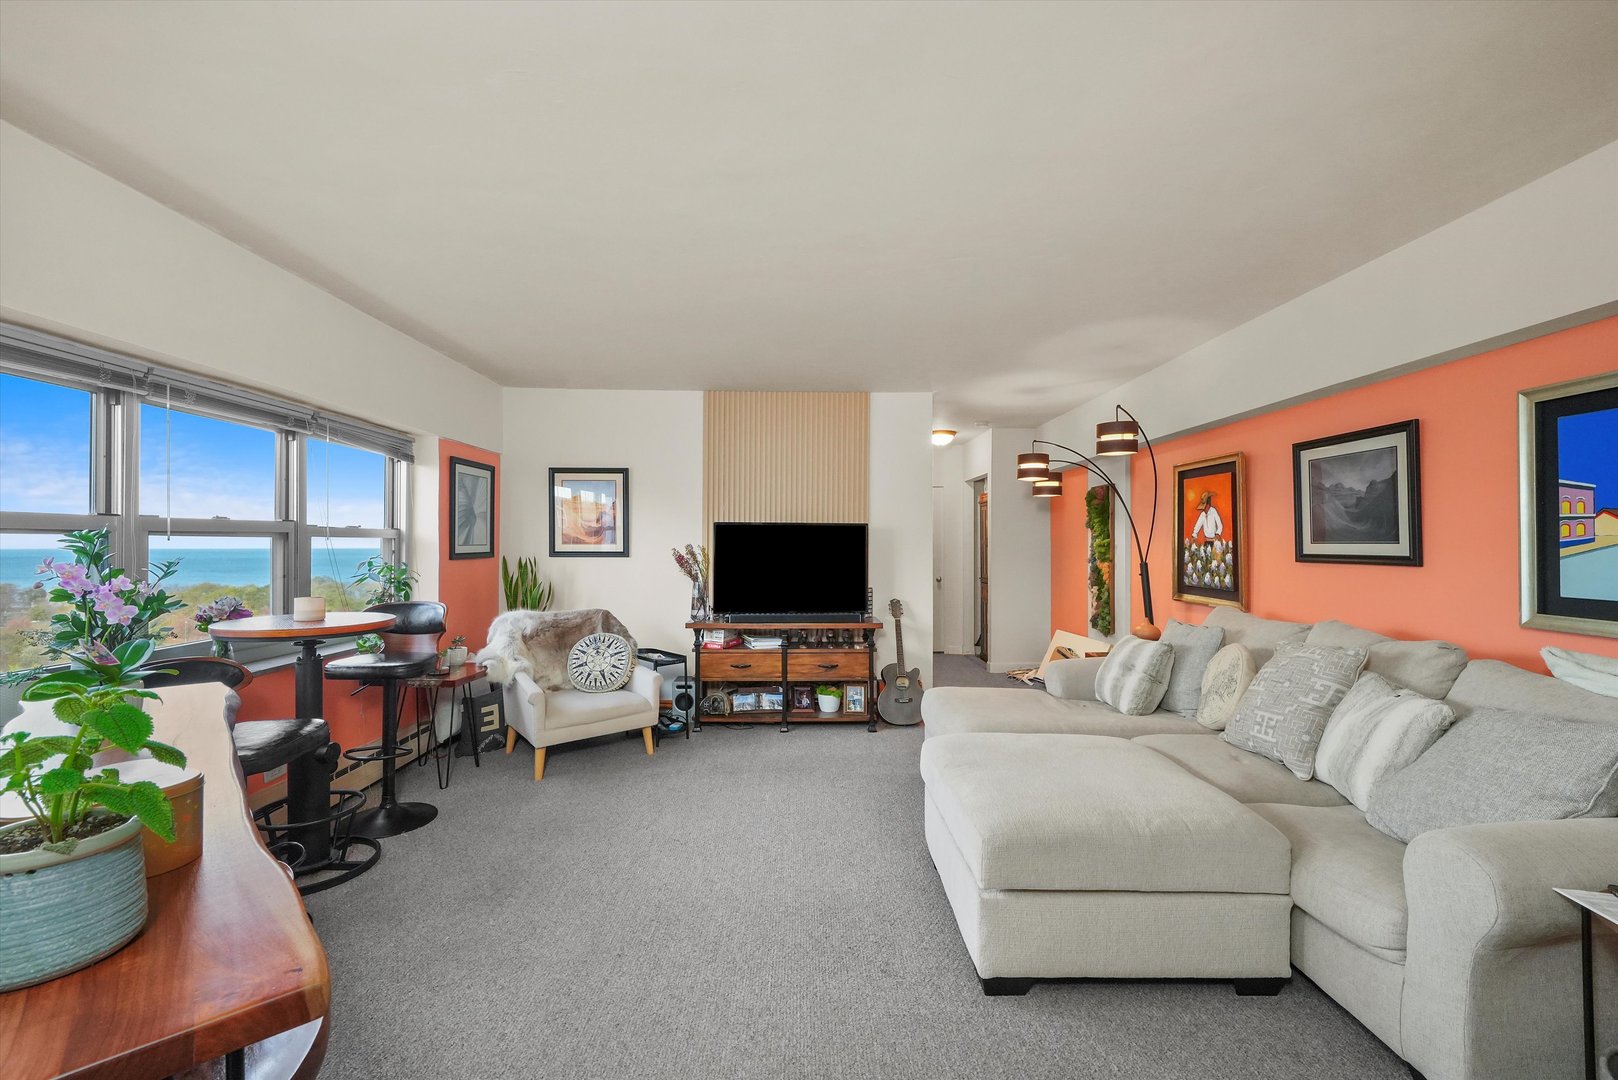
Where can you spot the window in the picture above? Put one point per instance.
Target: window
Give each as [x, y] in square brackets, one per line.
[1578, 530]
[1567, 530]
[44, 447]
[1567, 506]
[253, 497]
[1581, 506]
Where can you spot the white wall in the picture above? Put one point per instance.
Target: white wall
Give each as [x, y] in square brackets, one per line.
[952, 545]
[902, 523]
[657, 436]
[1019, 558]
[88, 258]
[1509, 270]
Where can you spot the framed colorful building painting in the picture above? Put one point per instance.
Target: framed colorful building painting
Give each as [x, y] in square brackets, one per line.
[1566, 439]
[1210, 531]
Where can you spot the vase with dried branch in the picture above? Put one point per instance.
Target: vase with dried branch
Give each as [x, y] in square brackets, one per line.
[693, 563]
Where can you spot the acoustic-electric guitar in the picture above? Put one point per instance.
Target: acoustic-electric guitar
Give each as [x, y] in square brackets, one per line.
[900, 699]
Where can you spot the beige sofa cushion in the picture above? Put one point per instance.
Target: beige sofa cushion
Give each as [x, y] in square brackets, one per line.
[1345, 873]
[1427, 667]
[1088, 813]
[1493, 684]
[1246, 777]
[1261, 636]
[947, 710]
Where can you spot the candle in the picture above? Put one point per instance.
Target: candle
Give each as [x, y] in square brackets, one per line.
[308, 608]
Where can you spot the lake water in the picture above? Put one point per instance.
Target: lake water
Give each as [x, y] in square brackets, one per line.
[218, 566]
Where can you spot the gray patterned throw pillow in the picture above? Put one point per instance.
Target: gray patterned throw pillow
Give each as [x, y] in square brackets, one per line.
[1285, 710]
[1134, 675]
[600, 663]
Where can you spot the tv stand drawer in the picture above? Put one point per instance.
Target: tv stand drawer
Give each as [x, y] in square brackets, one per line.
[740, 664]
[806, 665]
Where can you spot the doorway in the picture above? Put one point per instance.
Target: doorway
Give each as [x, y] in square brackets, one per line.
[980, 566]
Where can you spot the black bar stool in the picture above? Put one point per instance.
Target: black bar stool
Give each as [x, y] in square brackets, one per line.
[410, 649]
[315, 838]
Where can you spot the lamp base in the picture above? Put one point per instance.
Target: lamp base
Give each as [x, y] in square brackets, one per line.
[1146, 631]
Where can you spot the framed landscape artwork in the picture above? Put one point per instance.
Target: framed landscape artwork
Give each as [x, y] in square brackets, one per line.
[471, 523]
[590, 512]
[1356, 497]
[1566, 437]
[1210, 531]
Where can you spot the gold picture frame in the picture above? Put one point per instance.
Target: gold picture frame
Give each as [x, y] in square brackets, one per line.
[1210, 531]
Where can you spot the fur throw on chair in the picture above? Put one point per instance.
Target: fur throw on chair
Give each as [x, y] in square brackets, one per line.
[538, 642]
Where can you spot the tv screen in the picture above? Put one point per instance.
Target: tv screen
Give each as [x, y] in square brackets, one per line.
[781, 568]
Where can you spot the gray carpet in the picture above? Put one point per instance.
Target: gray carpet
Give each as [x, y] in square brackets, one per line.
[745, 904]
[951, 670]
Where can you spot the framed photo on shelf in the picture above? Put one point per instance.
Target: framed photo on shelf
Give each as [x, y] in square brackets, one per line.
[1569, 506]
[854, 698]
[803, 697]
[589, 512]
[1210, 531]
[1356, 497]
[471, 523]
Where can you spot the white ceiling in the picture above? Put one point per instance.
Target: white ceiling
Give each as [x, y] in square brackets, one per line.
[1015, 205]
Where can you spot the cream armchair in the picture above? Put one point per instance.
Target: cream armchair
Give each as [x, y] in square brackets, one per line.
[548, 717]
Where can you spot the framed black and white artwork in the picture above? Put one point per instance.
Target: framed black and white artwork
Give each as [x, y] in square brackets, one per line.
[471, 522]
[1356, 497]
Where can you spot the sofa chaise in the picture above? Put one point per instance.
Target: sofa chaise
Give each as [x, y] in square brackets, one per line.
[1073, 841]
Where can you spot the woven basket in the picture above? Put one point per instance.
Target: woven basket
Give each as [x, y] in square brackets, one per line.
[65, 912]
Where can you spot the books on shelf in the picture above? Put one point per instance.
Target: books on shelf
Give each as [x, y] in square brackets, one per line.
[721, 639]
[763, 641]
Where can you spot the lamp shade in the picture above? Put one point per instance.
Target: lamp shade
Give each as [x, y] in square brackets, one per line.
[943, 436]
[1117, 438]
[1048, 488]
[1033, 466]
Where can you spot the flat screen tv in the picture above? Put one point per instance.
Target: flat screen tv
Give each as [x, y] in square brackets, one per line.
[783, 568]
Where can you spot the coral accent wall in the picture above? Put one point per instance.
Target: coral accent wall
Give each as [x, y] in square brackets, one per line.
[470, 588]
[1070, 561]
[1467, 589]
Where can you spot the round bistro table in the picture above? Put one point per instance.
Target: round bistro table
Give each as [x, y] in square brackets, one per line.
[308, 636]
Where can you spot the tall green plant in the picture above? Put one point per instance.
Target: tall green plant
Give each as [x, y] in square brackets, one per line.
[1098, 514]
[525, 590]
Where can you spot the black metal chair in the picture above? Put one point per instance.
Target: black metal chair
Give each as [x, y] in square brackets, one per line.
[410, 649]
[315, 825]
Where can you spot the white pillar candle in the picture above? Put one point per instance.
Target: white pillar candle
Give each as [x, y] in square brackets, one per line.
[308, 608]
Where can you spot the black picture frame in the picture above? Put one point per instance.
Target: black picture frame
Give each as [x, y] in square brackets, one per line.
[472, 509]
[1554, 529]
[615, 542]
[1336, 520]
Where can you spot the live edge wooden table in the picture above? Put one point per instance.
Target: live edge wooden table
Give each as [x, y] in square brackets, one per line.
[227, 961]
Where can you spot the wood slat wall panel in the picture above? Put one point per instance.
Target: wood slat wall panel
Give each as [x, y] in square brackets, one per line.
[785, 456]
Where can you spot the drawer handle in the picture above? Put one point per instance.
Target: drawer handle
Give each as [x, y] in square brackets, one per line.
[828, 667]
[742, 667]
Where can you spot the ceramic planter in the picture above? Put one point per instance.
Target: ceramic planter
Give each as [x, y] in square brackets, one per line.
[829, 703]
[455, 656]
[65, 912]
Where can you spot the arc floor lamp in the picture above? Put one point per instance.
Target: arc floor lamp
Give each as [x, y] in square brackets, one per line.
[1118, 437]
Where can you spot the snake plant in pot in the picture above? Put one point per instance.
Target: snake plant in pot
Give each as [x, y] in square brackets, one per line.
[72, 873]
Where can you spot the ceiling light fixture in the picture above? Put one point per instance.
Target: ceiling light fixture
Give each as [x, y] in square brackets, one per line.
[943, 436]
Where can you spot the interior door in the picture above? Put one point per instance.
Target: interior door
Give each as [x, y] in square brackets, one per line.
[982, 561]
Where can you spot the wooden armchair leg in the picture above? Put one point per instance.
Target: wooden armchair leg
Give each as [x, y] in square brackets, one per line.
[646, 733]
[539, 764]
[511, 739]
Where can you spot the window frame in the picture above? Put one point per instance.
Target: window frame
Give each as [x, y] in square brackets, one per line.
[115, 500]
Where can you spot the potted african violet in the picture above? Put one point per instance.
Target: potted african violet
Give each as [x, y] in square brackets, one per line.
[72, 873]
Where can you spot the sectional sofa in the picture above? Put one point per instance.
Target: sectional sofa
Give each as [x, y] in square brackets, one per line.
[1074, 842]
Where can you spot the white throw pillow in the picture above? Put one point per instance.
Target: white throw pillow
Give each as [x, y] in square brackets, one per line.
[1224, 682]
[1376, 730]
[1193, 647]
[1587, 671]
[1134, 675]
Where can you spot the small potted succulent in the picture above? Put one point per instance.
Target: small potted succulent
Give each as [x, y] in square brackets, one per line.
[830, 698]
[223, 609]
[80, 848]
[455, 655]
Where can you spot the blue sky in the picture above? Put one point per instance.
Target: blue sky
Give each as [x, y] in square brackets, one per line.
[1587, 448]
[191, 465]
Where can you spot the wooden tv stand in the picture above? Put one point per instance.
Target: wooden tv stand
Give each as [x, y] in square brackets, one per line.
[797, 663]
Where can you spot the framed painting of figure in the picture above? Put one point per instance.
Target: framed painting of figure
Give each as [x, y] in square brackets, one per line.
[1210, 531]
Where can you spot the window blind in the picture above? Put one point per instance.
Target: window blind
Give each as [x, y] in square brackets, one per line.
[31, 353]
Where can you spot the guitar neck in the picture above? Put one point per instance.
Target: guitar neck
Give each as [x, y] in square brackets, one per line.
[899, 640]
